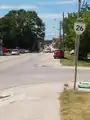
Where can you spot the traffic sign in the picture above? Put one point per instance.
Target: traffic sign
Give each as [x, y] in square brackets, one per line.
[84, 85]
[79, 27]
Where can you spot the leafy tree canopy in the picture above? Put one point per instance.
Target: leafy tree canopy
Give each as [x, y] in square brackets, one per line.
[70, 34]
[22, 28]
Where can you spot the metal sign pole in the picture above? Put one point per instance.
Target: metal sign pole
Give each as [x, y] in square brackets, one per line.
[77, 46]
[76, 57]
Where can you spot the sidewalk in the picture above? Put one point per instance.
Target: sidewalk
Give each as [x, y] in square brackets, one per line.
[35, 102]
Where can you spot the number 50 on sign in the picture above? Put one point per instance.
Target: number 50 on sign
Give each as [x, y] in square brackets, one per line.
[79, 27]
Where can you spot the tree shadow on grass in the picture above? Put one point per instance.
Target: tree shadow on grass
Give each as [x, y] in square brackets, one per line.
[84, 60]
[65, 58]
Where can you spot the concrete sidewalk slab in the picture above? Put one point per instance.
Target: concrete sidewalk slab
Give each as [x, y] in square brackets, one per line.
[36, 102]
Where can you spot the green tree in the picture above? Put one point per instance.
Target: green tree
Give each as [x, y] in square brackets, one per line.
[22, 28]
[85, 37]
[69, 30]
[85, 7]
[57, 45]
[70, 34]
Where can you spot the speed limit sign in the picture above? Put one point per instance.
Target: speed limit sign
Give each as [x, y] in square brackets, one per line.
[79, 27]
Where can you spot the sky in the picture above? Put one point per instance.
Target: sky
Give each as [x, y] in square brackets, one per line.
[50, 11]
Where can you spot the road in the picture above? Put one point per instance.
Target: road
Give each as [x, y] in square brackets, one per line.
[35, 68]
[35, 81]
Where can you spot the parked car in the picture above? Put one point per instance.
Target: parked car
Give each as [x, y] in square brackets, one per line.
[4, 50]
[72, 52]
[58, 54]
[48, 50]
[15, 52]
[26, 51]
[22, 51]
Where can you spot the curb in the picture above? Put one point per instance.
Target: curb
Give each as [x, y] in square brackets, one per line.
[11, 58]
[72, 67]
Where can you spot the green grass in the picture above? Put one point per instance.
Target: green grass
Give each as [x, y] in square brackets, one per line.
[75, 105]
[69, 61]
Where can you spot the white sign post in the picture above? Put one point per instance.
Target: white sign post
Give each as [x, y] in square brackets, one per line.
[79, 28]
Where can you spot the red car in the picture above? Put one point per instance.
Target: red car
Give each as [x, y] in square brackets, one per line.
[4, 50]
[58, 54]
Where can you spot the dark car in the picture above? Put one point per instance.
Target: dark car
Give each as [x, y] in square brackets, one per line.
[22, 51]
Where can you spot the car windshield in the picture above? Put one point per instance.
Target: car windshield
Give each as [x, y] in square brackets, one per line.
[44, 54]
[57, 50]
[15, 50]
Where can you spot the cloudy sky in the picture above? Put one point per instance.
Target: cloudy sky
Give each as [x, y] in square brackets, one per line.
[49, 10]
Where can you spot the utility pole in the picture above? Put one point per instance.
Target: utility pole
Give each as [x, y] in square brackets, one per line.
[1, 44]
[60, 32]
[63, 31]
[60, 35]
[62, 39]
[77, 42]
[1, 41]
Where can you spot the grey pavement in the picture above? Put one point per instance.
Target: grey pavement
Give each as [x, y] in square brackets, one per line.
[31, 68]
[43, 77]
[36, 68]
[32, 102]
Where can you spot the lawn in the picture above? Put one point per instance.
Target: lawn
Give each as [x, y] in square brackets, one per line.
[75, 105]
[69, 61]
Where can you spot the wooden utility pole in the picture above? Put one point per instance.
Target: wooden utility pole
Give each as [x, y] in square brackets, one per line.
[60, 31]
[63, 30]
[60, 35]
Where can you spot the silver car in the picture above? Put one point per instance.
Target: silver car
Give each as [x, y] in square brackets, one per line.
[47, 50]
[15, 52]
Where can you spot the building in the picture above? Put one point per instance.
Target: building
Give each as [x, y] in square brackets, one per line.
[47, 42]
[54, 40]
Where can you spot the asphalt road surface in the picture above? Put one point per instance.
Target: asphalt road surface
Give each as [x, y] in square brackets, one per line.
[35, 68]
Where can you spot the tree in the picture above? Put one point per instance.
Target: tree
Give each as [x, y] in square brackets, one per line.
[85, 7]
[85, 38]
[22, 28]
[69, 30]
[57, 45]
[70, 33]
